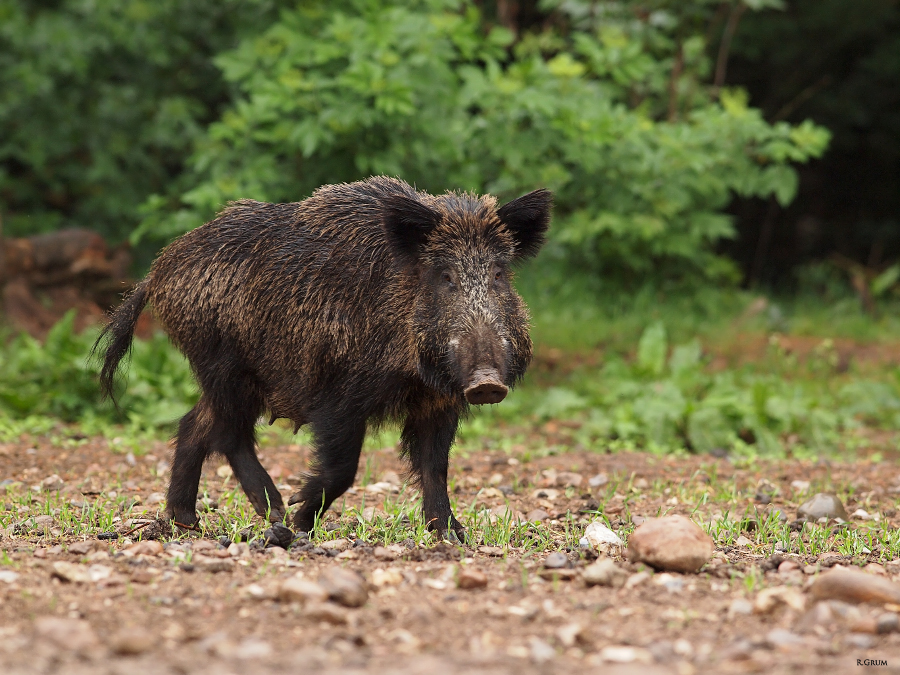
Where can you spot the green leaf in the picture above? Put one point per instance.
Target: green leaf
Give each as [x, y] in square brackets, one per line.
[652, 348]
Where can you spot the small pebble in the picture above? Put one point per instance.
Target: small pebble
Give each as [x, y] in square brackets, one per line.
[471, 578]
[599, 480]
[556, 560]
[131, 642]
[787, 566]
[344, 587]
[604, 572]
[740, 607]
[301, 590]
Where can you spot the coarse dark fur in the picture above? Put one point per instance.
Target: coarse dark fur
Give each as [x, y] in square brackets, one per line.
[367, 302]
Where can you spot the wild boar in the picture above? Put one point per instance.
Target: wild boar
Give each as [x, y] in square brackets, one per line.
[365, 303]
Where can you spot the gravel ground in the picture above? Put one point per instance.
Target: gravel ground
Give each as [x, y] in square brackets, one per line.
[70, 603]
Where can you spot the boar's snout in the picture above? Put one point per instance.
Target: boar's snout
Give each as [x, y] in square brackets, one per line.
[486, 387]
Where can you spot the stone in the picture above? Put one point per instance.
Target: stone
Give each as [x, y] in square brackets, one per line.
[545, 493]
[491, 550]
[146, 547]
[143, 576]
[536, 515]
[75, 635]
[83, 547]
[822, 505]
[301, 590]
[635, 580]
[212, 565]
[887, 622]
[469, 579]
[54, 483]
[540, 651]
[278, 535]
[672, 543]
[344, 587]
[788, 566]
[131, 642]
[339, 545]
[8, 576]
[850, 585]
[625, 654]
[599, 536]
[556, 560]
[42, 522]
[599, 480]
[568, 634]
[740, 607]
[327, 612]
[670, 582]
[241, 550]
[388, 577]
[604, 572]
[392, 478]
[558, 574]
[80, 574]
[784, 640]
[742, 541]
[383, 553]
[769, 599]
[566, 479]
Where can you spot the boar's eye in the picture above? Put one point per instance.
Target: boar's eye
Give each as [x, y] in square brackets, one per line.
[447, 278]
[498, 273]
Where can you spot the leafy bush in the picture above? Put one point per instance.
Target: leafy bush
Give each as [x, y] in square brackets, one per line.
[643, 161]
[669, 399]
[55, 379]
[100, 103]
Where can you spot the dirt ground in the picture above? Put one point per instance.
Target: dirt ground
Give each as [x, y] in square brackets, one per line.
[161, 612]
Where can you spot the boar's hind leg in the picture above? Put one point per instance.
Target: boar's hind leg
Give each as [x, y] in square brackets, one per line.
[334, 467]
[191, 448]
[426, 441]
[238, 443]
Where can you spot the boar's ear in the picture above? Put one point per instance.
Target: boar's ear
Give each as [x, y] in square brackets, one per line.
[528, 218]
[407, 223]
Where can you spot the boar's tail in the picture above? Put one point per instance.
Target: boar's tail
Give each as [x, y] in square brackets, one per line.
[116, 338]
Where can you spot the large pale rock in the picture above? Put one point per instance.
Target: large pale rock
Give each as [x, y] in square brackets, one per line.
[598, 535]
[850, 585]
[672, 543]
[822, 505]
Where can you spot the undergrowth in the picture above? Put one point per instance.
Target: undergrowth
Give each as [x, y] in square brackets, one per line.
[617, 381]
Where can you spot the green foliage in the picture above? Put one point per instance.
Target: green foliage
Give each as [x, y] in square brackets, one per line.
[55, 379]
[668, 400]
[100, 103]
[643, 162]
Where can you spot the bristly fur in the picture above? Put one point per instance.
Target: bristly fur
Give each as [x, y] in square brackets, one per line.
[366, 302]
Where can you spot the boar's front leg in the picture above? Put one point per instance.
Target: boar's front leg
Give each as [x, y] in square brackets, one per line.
[426, 440]
[338, 443]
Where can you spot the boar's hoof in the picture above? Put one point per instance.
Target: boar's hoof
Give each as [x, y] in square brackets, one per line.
[486, 387]
[296, 498]
[455, 537]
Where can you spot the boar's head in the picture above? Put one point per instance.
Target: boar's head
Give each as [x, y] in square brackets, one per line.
[458, 251]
